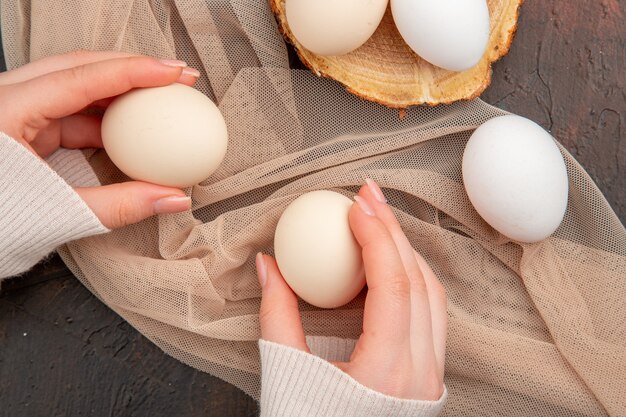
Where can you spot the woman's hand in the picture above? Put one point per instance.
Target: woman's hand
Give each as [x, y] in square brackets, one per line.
[401, 351]
[42, 108]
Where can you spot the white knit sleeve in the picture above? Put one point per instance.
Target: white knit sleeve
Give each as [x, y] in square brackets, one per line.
[38, 209]
[298, 384]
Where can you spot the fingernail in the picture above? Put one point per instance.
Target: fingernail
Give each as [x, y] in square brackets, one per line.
[364, 206]
[261, 269]
[173, 63]
[172, 205]
[192, 72]
[376, 191]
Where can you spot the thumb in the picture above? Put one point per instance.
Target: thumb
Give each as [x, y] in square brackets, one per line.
[279, 315]
[119, 205]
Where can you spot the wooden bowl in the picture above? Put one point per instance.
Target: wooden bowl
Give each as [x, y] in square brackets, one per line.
[387, 71]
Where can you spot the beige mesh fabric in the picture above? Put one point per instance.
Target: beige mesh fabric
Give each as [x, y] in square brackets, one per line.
[537, 329]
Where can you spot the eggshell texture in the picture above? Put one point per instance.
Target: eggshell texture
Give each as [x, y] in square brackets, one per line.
[173, 135]
[332, 27]
[452, 34]
[516, 178]
[316, 252]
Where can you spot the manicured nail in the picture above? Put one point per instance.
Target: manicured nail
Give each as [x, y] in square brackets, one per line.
[364, 206]
[172, 205]
[376, 191]
[173, 63]
[192, 72]
[261, 269]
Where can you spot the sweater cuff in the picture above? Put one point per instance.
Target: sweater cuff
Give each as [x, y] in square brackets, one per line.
[296, 383]
[38, 211]
[72, 166]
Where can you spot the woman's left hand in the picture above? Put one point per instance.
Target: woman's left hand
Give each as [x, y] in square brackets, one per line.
[42, 108]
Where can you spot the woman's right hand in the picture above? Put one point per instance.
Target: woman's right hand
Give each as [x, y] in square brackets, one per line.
[401, 351]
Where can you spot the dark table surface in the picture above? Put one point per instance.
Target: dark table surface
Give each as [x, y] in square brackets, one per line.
[64, 353]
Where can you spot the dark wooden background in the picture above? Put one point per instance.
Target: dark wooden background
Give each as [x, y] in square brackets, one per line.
[63, 353]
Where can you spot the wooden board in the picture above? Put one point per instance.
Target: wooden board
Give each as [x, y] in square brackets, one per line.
[63, 353]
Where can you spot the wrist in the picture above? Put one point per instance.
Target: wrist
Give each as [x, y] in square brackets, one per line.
[297, 383]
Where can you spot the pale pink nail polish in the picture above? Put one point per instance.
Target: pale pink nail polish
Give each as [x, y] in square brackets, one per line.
[173, 204]
[192, 72]
[376, 191]
[173, 63]
[261, 268]
[364, 206]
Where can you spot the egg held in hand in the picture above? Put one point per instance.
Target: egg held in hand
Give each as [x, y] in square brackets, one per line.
[451, 34]
[516, 178]
[334, 27]
[316, 251]
[173, 135]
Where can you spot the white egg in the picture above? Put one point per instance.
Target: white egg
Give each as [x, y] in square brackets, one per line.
[451, 34]
[173, 135]
[515, 177]
[334, 27]
[316, 252]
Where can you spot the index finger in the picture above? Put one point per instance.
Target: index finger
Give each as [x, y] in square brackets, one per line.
[56, 63]
[61, 93]
[387, 304]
